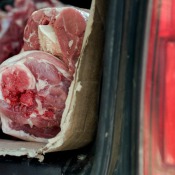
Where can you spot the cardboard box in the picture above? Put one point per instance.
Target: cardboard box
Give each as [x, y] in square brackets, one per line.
[79, 120]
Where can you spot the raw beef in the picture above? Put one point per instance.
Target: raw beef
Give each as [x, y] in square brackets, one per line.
[33, 89]
[59, 31]
[34, 84]
[13, 21]
[12, 25]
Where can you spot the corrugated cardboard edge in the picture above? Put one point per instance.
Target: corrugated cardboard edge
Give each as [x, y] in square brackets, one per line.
[20, 148]
[80, 115]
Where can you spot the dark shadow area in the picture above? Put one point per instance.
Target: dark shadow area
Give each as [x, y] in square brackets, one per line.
[78, 3]
[73, 162]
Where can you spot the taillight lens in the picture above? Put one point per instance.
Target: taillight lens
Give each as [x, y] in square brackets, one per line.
[159, 92]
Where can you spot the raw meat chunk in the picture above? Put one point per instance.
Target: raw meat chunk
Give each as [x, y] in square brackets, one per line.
[33, 89]
[34, 84]
[13, 21]
[59, 31]
[12, 25]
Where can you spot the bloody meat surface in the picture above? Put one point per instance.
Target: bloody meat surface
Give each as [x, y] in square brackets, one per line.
[68, 25]
[34, 86]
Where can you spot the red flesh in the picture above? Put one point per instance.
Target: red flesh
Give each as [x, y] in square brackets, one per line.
[36, 111]
[69, 25]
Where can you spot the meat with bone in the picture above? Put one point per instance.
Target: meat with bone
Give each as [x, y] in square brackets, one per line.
[13, 21]
[33, 86]
[59, 31]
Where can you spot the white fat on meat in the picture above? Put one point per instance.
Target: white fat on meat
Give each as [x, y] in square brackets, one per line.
[33, 115]
[48, 40]
[71, 43]
[19, 134]
[30, 122]
[39, 108]
[29, 38]
[41, 84]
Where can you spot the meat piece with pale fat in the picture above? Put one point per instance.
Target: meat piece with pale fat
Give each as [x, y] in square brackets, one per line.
[59, 31]
[33, 89]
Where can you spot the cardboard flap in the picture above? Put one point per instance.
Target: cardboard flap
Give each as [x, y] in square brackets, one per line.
[20, 148]
[79, 119]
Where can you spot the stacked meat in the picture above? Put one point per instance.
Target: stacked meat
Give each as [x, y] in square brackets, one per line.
[34, 84]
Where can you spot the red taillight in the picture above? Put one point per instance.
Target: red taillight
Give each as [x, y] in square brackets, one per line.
[169, 115]
[159, 97]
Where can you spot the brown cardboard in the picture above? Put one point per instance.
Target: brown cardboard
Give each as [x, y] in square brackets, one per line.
[79, 119]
